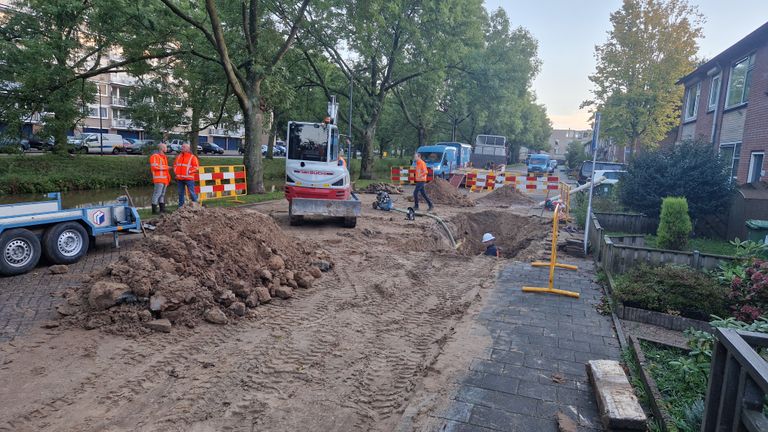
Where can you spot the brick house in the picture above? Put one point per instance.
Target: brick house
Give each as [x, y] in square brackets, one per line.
[726, 104]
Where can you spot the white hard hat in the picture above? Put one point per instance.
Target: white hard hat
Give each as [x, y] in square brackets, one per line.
[488, 237]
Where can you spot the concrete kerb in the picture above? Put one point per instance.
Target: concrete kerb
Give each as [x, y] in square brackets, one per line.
[651, 389]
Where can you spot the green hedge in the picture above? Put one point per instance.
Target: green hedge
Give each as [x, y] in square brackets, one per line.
[672, 289]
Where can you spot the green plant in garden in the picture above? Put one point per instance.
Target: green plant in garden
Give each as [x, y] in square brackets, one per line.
[675, 224]
[672, 289]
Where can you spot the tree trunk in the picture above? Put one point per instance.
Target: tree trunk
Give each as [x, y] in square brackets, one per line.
[366, 164]
[194, 129]
[422, 135]
[253, 123]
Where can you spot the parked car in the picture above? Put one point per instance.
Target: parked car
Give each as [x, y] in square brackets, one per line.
[140, 146]
[585, 172]
[552, 166]
[211, 148]
[42, 144]
[89, 143]
[611, 176]
[13, 145]
[174, 145]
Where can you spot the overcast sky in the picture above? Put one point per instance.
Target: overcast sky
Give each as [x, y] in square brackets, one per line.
[568, 30]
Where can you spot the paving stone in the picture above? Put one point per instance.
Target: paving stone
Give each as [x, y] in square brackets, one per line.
[494, 419]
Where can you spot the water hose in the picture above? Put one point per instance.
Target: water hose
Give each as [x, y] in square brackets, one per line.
[442, 223]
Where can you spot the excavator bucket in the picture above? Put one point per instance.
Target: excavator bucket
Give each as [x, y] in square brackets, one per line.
[323, 207]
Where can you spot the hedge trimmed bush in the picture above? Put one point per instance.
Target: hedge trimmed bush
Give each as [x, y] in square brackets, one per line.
[674, 225]
[672, 289]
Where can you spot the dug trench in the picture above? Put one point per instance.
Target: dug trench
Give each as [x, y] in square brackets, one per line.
[343, 355]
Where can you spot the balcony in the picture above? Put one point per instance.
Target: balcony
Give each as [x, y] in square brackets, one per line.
[119, 123]
[122, 78]
[119, 101]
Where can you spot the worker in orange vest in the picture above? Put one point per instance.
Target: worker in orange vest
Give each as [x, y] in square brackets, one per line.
[421, 181]
[342, 161]
[161, 177]
[185, 167]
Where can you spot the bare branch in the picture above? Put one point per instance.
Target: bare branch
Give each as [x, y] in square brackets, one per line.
[291, 35]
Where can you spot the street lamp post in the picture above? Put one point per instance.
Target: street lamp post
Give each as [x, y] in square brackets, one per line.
[349, 141]
[595, 141]
[101, 127]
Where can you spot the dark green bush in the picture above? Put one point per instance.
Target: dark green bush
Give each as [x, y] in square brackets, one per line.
[672, 289]
[674, 225]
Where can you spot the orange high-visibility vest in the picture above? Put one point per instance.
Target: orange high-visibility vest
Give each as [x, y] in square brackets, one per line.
[185, 166]
[343, 161]
[421, 170]
[158, 164]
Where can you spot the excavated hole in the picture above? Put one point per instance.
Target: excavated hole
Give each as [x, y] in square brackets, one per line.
[517, 236]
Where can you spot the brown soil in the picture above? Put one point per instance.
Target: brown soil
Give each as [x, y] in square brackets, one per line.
[442, 192]
[504, 197]
[518, 237]
[197, 261]
[346, 354]
[389, 188]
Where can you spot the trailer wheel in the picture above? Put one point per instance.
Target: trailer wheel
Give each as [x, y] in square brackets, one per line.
[20, 251]
[65, 243]
[294, 220]
[350, 222]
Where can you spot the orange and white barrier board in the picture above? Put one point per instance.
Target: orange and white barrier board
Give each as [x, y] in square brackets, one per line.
[484, 180]
[407, 175]
[221, 181]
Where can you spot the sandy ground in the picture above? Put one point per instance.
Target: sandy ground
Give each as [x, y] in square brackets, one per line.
[345, 355]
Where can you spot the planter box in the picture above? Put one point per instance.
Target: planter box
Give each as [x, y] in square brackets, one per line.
[671, 322]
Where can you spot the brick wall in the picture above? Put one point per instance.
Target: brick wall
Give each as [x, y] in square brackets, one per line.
[756, 122]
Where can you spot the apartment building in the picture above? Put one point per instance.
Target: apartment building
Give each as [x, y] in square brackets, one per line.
[726, 104]
[560, 138]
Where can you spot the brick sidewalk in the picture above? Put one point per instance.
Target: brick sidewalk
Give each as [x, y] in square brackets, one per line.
[28, 299]
[535, 338]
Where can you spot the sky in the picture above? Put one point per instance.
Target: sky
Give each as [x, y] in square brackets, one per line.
[568, 30]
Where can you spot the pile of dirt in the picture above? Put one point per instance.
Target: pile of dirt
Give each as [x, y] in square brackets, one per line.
[200, 264]
[505, 196]
[442, 192]
[375, 188]
[520, 237]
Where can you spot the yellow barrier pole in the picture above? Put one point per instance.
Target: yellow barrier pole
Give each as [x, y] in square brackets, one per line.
[552, 264]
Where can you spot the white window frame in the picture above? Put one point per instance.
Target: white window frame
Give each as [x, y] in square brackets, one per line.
[750, 59]
[752, 166]
[104, 113]
[689, 92]
[714, 90]
[734, 167]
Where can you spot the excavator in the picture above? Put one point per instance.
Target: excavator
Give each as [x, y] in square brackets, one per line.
[317, 181]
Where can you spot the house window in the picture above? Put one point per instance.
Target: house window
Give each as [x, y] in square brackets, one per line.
[739, 81]
[94, 112]
[732, 153]
[714, 92]
[692, 101]
[755, 167]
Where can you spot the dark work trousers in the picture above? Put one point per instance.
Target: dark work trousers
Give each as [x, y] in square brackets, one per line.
[420, 189]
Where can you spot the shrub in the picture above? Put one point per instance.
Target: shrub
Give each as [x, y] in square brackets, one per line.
[674, 225]
[672, 289]
[689, 169]
[749, 293]
[575, 154]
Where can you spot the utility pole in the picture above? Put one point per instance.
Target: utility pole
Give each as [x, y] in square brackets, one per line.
[101, 128]
[595, 138]
[349, 145]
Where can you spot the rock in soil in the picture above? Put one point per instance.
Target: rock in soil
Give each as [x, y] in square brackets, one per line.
[215, 316]
[284, 292]
[237, 308]
[159, 325]
[58, 269]
[105, 294]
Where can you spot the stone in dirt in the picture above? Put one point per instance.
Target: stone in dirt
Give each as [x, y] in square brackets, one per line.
[105, 294]
[238, 308]
[315, 272]
[49, 324]
[262, 293]
[284, 292]
[323, 265]
[58, 269]
[215, 316]
[157, 303]
[159, 325]
[67, 309]
[304, 280]
[252, 301]
[276, 263]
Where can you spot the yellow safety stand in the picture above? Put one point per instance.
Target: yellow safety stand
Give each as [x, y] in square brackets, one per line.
[552, 264]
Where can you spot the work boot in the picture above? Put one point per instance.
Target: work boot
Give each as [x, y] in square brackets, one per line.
[154, 209]
[162, 208]
[430, 208]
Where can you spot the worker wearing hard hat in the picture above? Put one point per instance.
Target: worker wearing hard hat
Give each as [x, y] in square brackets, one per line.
[489, 241]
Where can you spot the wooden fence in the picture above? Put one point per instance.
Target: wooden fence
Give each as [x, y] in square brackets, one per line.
[628, 223]
[618, 254]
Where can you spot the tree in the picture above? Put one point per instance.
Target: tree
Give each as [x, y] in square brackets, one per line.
[652, 44]
[575, 154]
[250, 39]
[391, 43]
[674, 224]
[691, 169]
[51, 49]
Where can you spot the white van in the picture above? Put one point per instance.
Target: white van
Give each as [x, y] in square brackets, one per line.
[89, 143]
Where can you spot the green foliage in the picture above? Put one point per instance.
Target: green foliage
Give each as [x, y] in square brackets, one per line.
[704, 245]
[575, 154]
[651, 45]
[600, 203]
[672, 289]
[674, 224]
[690, 169]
